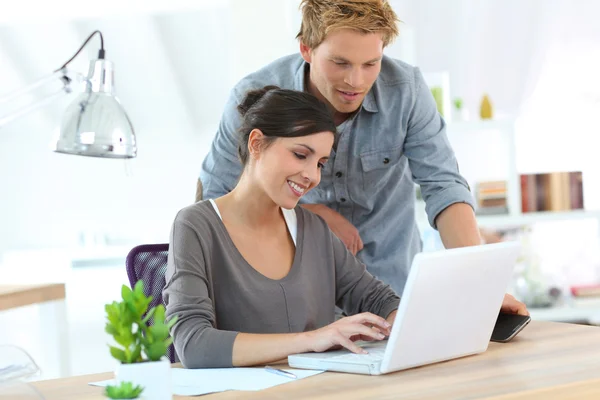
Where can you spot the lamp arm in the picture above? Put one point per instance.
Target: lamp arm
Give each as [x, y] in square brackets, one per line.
[65, 76]
[62, 73]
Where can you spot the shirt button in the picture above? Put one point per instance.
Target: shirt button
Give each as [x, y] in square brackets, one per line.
[386, 160]
[338, 174]
[343, 199]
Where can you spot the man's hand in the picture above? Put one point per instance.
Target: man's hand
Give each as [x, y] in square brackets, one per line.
[510, 305]
[340, 226]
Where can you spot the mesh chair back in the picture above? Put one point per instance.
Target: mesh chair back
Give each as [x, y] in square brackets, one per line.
[148, 262]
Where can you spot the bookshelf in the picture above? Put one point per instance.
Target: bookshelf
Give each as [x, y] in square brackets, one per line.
[486, 151]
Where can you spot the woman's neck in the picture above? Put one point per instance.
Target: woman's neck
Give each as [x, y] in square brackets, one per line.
[250, 206]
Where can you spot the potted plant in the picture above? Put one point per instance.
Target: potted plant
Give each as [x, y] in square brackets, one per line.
[126, 390]
[141, 347]
[460, 112]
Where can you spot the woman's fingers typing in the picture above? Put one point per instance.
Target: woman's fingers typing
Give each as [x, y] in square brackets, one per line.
[350, 345]
[374, 321]
[345, 331]
[365, 332]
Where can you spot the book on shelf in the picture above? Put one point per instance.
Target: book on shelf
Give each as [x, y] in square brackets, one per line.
[586, 290]
[555, 191]
[585, 295]
[491, 198]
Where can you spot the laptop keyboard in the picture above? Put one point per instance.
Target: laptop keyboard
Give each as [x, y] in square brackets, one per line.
[375, 355]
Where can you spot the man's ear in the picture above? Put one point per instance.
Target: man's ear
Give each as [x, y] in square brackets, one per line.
[255, 143]
[306, 52]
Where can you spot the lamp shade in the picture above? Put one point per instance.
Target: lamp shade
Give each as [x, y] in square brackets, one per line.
[96, 124]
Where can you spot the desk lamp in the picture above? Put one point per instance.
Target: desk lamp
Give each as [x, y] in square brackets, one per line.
[95, 124]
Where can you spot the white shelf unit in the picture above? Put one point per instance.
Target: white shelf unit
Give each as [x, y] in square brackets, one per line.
[486, 151]
[567, 313]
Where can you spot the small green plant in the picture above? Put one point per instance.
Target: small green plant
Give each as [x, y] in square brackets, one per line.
[125, 390]
[458, 103]
[128, 324]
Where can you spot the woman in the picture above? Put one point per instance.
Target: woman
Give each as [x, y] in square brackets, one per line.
[252, 277]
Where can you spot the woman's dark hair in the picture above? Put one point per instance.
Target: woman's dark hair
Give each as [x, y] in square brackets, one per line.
[282, 113]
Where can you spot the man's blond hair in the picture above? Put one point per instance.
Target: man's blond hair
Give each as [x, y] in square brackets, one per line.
[321, 17]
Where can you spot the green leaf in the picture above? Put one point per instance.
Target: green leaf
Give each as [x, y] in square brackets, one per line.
[156, 351]
[136, 355]
[172, 322]
[125, 390]
[141, 305]
[139, 287]
[158, 332]
[133, 309]
[125, 292]
[149, 315]
[111, 330]
[125, 339]
[118, 354]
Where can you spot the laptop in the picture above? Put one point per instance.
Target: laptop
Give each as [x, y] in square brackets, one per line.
[448, 310]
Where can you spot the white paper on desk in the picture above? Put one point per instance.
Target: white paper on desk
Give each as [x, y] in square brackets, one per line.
[194, 382]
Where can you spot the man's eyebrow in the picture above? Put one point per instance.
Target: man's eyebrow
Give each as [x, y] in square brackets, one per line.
[374, 60]
[338, 58]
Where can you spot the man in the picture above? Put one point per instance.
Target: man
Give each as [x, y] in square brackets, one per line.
[390, 135]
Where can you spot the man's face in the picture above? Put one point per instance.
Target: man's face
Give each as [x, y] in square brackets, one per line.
[344, 67]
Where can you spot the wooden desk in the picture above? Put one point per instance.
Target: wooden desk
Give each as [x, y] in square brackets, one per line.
[13, 296]
[547, 360]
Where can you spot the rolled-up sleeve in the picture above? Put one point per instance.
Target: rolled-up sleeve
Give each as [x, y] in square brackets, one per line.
[431, 158]
[197, 342]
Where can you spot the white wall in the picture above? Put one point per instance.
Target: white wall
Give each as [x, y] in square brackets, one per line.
[174, 71]
[175, 66]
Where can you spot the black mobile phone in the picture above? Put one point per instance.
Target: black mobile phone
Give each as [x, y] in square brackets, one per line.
[507, 326]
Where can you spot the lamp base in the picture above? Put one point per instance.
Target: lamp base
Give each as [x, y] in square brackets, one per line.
[96, 150]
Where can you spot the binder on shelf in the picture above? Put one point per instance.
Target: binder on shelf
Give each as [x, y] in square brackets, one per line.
[491, 198]
[555, 191]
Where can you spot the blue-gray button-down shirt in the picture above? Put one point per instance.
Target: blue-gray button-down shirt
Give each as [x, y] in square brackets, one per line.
[397, 137]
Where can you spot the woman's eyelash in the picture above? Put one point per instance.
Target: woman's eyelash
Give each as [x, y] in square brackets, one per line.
[303, 157]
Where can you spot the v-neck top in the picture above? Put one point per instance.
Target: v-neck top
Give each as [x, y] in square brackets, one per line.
[288, 215]
[216, 293]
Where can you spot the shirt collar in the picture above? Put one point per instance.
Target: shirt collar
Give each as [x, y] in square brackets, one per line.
[299, 78]
[369, 103]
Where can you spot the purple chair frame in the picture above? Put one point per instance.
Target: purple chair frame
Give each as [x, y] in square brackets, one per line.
[148, 262]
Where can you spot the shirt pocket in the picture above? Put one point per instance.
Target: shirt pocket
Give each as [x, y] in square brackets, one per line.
[378, 166]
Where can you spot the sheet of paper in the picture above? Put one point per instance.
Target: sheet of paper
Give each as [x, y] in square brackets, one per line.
[194, 382]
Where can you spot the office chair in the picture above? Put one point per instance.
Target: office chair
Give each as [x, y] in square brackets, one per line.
[148, 262]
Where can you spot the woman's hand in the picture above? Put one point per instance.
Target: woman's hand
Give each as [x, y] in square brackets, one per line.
[345, 331]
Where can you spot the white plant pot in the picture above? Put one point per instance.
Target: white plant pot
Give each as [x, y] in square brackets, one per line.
[153, 376]
[461, 115]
